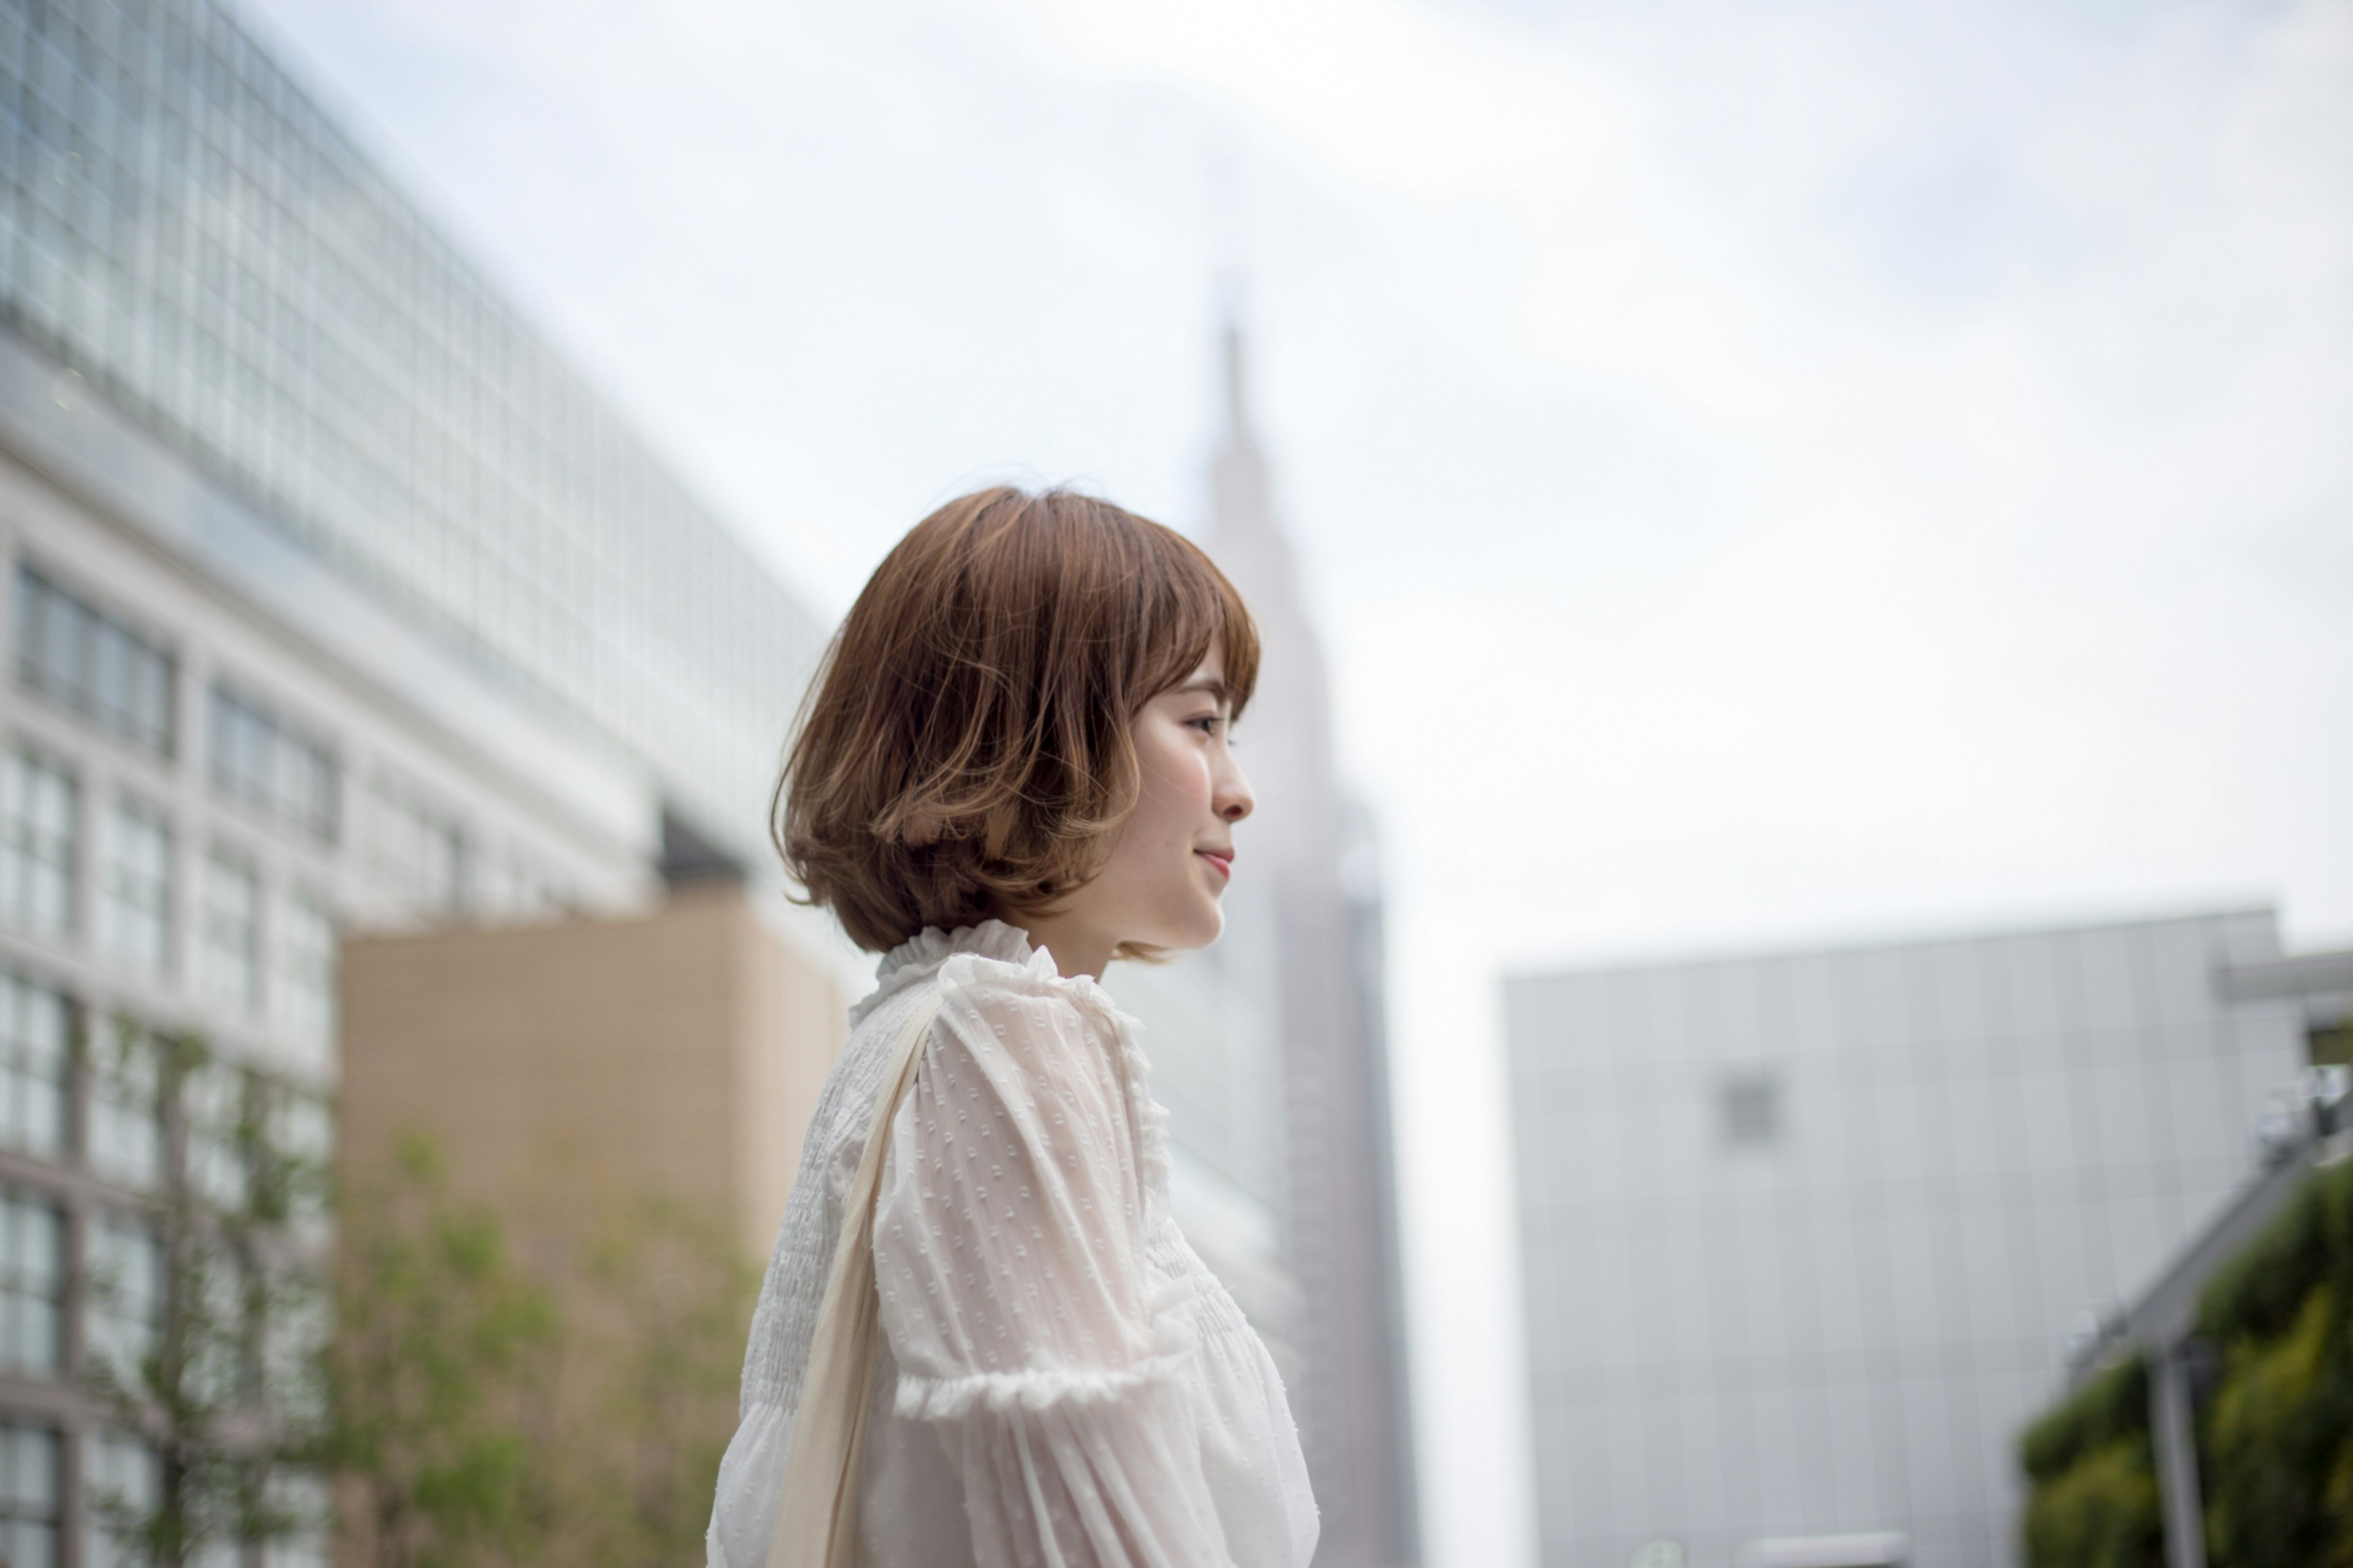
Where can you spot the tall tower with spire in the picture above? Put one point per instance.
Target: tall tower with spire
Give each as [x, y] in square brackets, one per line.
[1316, 935]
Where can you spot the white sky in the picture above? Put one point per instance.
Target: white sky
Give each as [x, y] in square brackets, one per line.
[1764, 471]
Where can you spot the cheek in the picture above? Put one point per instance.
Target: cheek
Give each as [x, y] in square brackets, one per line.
[1176, 787]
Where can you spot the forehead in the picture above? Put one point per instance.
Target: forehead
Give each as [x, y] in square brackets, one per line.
[1208, 676]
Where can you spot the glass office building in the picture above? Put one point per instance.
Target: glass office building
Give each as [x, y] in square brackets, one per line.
[335, 597]
[186, 232]
[1804, 1235]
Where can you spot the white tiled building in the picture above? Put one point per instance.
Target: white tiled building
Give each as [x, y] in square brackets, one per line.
[1804, 1235]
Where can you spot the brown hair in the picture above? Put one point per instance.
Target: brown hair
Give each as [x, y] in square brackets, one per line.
[966, 747]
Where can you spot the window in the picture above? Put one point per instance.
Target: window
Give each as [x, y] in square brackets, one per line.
[220, 1357]
[308, 954]
[300, 1138]
[40, 809]
[28, 1495]
[139, 890]
[126, 1141]
[32, 1281]
[232, 931]
[1749, 1102]
[32, 1068]
[213, 1101]
[125, 1307]
[417, 854]
[271, 765]
[121, 1480]
[86, 660]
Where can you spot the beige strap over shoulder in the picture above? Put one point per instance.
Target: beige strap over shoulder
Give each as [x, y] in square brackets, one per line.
[817, 1501]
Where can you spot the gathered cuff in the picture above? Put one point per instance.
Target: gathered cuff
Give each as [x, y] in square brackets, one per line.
[946, 1398]
[1175, 1337]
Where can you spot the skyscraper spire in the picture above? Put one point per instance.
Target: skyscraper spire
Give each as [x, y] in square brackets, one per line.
[1244, 534]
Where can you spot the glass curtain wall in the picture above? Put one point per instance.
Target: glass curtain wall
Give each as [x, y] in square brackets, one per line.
[184, 231]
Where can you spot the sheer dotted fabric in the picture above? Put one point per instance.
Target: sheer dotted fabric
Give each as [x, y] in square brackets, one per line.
[1062, 1383]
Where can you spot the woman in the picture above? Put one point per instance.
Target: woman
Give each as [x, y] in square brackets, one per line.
[1014, 768]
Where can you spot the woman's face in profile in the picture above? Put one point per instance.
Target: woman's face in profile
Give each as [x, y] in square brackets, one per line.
[1168, 868]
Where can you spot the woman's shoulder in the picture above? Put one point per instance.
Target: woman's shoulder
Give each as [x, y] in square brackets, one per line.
[999, 997]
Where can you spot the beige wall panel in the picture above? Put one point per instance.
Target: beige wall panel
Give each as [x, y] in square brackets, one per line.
[678, 1053]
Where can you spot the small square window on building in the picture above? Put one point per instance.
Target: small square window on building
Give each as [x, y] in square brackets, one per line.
[1748, 1108]
[2329, 1043]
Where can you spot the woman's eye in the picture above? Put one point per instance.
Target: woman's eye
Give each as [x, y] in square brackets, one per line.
[1208, 723]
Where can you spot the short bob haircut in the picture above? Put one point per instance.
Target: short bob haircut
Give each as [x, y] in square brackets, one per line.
[965, 749]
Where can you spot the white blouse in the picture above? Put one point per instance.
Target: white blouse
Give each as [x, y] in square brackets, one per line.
[1062, 1383]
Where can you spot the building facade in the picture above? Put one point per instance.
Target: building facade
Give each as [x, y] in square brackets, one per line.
[1804, 1235]
[337, 601]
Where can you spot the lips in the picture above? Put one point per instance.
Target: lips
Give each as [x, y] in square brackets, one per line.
[1223, 859]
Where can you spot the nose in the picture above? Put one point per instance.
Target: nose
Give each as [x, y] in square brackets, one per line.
[1233, 799]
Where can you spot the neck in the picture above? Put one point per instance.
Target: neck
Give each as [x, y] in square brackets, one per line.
[1077, 949]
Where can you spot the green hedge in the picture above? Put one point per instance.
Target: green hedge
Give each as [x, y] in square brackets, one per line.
[2277, 1436]
[2093, 1500]
[2276, 1431]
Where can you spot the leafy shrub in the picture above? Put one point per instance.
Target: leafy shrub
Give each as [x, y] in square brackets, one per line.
[2094, 1500]
[2277, 1435]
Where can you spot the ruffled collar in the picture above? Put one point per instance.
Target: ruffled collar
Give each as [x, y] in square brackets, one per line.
[920, 957]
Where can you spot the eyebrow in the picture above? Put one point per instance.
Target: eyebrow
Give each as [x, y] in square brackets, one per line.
[1210, 684]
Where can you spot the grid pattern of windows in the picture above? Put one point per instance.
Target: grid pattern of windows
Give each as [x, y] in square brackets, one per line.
[184, 227]
[262, 759]
[32, 1281]
[40, 830]
[33, 1058]
[30, 1478]
[232, 930]
[124, 1309]
[126, 1141]
[138, 866]
[81, 658]
[306, 992]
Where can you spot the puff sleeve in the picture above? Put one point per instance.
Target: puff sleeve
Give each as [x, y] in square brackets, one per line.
[1030, 1331]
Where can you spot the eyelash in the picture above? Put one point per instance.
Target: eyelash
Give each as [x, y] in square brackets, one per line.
[1208, 723]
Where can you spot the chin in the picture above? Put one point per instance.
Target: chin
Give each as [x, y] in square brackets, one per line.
[1195, 929]
[1205, 930]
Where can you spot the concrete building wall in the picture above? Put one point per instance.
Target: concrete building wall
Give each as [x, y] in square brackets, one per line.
[1804, 1235]
[677, 1053]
